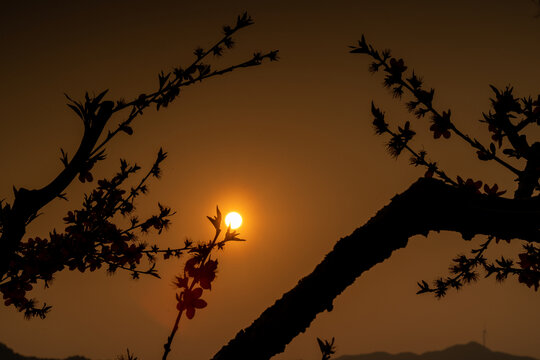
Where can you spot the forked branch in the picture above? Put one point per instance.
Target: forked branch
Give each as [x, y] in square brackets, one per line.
[428, 205]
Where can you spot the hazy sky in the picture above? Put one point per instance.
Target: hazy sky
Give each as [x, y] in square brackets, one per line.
[289, 145]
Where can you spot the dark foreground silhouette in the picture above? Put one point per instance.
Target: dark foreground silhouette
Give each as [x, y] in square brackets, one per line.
[8, 354]
[470, 351]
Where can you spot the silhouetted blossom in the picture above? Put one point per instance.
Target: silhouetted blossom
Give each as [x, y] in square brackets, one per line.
[198, 275]
[189, 300]
[92, 238]
[506, 120]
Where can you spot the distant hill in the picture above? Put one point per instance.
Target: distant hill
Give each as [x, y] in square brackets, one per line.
[8, 354]
[470, 351]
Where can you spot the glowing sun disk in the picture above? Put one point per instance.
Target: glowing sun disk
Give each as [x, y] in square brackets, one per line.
[233, 219]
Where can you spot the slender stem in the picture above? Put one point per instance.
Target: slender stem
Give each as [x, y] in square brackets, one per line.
[474, 261]
[523, 123]
[439, 172]
[164, 251]
[177, 83]
[194, 281]
[465, 137]
[167, 345]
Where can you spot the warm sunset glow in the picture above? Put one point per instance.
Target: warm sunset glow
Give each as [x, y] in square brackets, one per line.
[292, 145]
[233, 219]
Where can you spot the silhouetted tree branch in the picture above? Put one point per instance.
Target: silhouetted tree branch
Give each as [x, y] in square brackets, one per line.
[428, 205]
[91, 238]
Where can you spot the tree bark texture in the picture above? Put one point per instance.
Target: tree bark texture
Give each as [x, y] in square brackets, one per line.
[428, 205]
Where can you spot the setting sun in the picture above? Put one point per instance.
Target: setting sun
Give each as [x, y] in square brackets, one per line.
[233, 219]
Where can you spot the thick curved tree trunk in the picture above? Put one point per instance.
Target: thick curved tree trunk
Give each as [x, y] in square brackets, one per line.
[428, 205]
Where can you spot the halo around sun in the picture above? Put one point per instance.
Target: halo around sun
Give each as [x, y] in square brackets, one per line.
[233, 219]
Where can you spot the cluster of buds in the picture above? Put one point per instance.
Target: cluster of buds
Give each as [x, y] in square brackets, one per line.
[327, 348]
[530, 267]
[475, 187]
[199, 273]
[90, 240]
[200, 269]
[506, 121]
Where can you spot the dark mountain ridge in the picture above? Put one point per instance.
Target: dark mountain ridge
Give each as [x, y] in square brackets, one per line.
[470, 351]
[8, 354]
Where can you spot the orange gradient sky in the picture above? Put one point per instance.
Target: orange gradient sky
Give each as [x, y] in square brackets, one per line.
[289, 145]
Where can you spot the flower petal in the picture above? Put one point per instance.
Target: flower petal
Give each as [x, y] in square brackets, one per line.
[190, 312]
[195, 294]
[199, 304]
